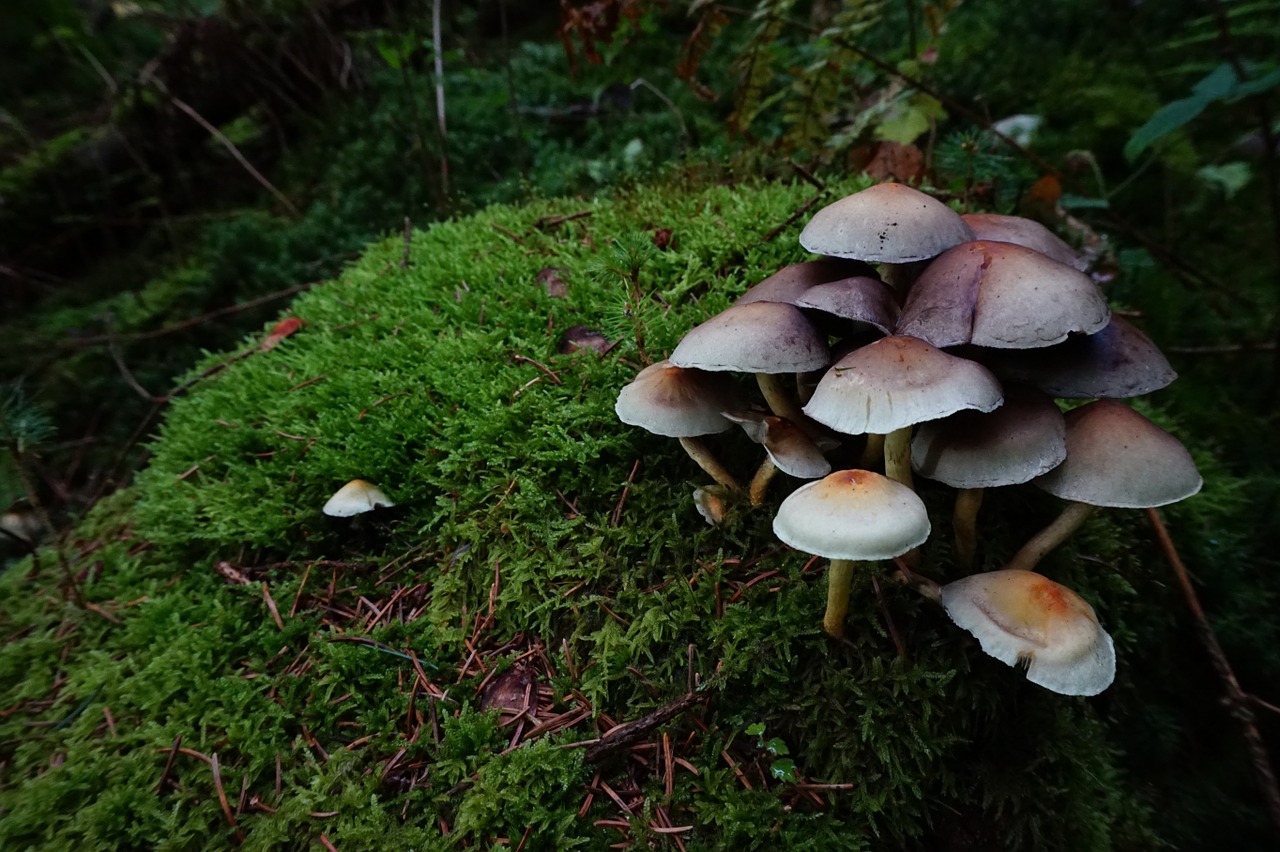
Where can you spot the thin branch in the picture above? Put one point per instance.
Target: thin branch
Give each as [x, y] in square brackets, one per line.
[437, 47]
[1237, 699]
[229, 145]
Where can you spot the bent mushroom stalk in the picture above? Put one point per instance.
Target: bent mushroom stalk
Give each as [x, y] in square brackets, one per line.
[850, 517]
[1115, 458]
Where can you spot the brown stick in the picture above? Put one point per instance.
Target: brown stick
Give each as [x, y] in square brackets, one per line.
[1237, 698]
[629, 732]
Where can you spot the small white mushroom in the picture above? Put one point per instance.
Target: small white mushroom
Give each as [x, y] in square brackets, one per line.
[356, 498]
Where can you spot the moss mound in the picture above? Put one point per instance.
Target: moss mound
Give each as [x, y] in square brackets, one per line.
[433, 678]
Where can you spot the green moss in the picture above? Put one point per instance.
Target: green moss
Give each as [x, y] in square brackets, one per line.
[507, 475]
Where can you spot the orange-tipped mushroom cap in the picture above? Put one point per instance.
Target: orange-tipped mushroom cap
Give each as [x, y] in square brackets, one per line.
[853, 514]
[1022, 618]
[356, 498]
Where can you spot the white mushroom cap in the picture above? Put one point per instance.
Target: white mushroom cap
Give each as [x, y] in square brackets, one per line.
[1118, 458]
[759, 337]
[1023, 232]
[676, 402]
[1020, 617]
[887, 223]
[1017, 442]
[853, 514]
[1003, 296]
[356, 498]
[897, 381]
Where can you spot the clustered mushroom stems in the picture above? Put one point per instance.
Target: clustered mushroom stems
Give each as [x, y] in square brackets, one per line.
[701, 453]
[1043, 542]
[873, 452]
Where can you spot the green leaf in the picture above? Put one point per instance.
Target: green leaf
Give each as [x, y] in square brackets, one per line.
[783, 770]
[1167, 119]
[1071, 201]
[1227, 178]
[1221, 82]
[755, 730]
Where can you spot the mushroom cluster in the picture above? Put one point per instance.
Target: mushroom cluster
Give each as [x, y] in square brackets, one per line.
[934, 344]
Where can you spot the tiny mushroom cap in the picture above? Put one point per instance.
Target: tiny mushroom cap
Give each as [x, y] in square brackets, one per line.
[1022, 618]
[896, 382]
[789, 448]
[676, 402]
[1017, 442]
[1118, 361]
[356, 498]
[759, 337]
[1023, 232]
[1003, 296]
[790, 282]
[853, 514]
[887, 223]
[1118, 458]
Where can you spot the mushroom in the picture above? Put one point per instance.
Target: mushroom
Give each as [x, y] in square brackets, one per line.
[1024, 619]
[850, 516]
[356, 498]
[682, 403]
[1118, 361]
[1003, 296]
[973, 451]
[887, 386]
[788, 449]
[885, 223]
[764, 338]
[1115, 458]
[791, 282]
[993, 227]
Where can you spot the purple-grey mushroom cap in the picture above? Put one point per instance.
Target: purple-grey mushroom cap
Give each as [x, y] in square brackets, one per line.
[1003, 296]
[1118, 458]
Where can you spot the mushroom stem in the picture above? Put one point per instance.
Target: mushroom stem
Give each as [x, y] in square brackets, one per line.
[839, 581]
[873, 452]
[964, 524]
[760, 482]
[897, 456]
[701, 453]
[781, 400]
[1051, 536]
